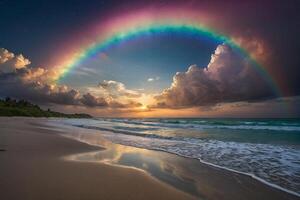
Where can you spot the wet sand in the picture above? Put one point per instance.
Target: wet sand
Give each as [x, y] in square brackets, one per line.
[36, 162]
[32, 168]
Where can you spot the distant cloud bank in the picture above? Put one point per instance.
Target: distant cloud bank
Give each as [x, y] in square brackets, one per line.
[19, 80]
[228, 83]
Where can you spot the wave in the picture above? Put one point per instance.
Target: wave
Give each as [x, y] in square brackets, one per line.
[182, 154]
[277, 165]
[213, 124]
[271, 154]
[126, 132]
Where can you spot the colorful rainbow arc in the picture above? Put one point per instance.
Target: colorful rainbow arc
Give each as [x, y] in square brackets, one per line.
[151, 29]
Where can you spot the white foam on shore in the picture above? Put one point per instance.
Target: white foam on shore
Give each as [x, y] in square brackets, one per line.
[220, 154]
[190, 152]
[202, 161]
[244, 173]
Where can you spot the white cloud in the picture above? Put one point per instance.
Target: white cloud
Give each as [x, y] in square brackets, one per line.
[5, 55]
[153, 79]
[10, 62]
[116, 89]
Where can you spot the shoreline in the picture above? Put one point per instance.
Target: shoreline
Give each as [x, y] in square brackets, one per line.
[250, 176]
[234, 171]
[214, 180]
[203, 162]
[253, 177]
[32, 168]
[261, 180]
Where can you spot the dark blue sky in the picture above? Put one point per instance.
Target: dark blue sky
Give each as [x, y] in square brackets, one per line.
[35, 28]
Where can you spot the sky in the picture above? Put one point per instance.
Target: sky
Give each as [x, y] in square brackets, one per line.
[153, 58]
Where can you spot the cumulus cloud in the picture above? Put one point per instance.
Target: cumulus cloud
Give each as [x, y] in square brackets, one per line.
[115, 94]
[115, 89]
[20, 81]
[10, 62]
[93, 101]
[5, 55]
[228, 77]
[13, 85]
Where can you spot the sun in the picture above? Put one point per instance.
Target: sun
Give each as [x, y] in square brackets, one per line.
[144, 107]
[146, 100]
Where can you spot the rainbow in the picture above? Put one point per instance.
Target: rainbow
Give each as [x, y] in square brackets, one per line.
[138, 25]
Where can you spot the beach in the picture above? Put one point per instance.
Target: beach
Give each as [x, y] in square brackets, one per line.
[39, 162]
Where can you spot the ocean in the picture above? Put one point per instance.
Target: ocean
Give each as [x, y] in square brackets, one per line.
[266, 149]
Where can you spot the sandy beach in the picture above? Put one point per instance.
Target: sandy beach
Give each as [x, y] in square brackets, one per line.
[34, 166]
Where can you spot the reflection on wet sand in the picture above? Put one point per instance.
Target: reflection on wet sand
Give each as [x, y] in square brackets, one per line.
[189, 175]
[164, 167]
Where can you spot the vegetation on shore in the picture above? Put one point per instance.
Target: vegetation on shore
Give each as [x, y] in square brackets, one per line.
[12, 107]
